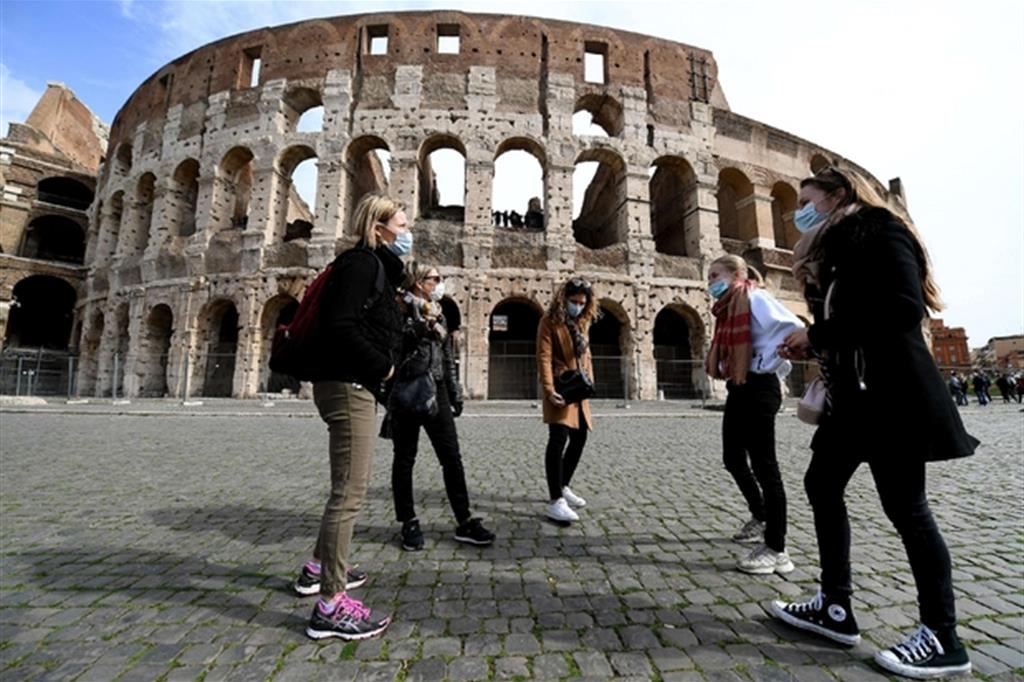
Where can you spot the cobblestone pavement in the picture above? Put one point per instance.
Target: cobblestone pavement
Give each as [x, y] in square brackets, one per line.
[162, 546]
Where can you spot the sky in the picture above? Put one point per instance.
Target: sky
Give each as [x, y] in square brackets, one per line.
[922, 91]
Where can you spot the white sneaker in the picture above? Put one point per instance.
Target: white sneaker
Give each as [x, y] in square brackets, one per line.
[559, 511]
[765, 561]
[572, 498]
[752, 531]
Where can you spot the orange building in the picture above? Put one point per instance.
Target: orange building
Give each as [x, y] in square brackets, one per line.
[949, 346]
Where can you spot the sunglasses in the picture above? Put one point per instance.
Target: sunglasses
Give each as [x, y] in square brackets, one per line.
[432, 278]
[578, 284]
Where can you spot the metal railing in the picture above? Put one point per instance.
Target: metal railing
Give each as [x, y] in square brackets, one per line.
[37, 372]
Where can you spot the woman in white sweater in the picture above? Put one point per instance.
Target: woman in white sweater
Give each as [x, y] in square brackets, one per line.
[750, 325]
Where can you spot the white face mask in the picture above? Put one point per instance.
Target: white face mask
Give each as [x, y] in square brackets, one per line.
[438, 293]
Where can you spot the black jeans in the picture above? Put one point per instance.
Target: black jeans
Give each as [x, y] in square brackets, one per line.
[405, 434]
[900, 480]
[560, 462]
[748, 432]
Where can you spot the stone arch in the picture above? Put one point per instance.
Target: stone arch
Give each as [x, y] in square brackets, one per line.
[441, 149]
[123, 159]
[737, 215]
[41, 314]
[64, 191]
[520, 183]
[610, 346]
[296, 214]
[442, 178]
[368, 165]
[512, 349]
[600, 213]
[605, 112]
[673, 193]
[183, 197]
[818, 162]
[145, 192]
[784, 200]
[678, 335]
[303, 110]
[115, 220]
[217, 346]
[54, 237]
[154, 351]
[277, 311]
[234, 188]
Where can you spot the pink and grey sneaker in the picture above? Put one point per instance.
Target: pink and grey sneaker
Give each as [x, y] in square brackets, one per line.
[345, 618]
[308, 582]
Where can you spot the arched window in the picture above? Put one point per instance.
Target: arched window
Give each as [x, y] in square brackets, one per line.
[368, 166]
[442, 179]
[183, 198]
[235, 188]
[277, 311]
[154, 351]
[115, 219]
[218, 344]
[53, 237]
[677, 332]
[673, 192]
[609, 343]
[512, 355]
[64, 192]
[517, 194]
[297, 197]
[599, 199]
[144, 195]
[123, 159]
[737, 217]
[784, 200]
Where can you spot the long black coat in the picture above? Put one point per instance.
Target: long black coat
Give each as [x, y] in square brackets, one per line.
[888, 396]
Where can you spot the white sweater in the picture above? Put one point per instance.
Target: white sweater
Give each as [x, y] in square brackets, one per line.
[770, 324]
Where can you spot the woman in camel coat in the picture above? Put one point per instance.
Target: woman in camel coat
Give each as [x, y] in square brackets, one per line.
[562, 345]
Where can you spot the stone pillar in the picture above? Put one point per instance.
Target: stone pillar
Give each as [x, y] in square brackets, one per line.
[130, 364]
[764, 221]
[475, 321]
[561, 244]
[247, 353]
[643, 365]
[639, 243]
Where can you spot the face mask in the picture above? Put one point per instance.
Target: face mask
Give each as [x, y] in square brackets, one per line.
[402, 246]
[718, 289]
[574, 309]
[807, 217]
[438, 293]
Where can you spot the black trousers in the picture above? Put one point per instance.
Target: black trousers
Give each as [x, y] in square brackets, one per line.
[748, 452]
[560, 462]
[405, 435]
[900, 480]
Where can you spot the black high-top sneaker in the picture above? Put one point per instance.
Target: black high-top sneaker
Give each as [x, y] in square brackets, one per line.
[822, 616]
[922, 656]
[412, 536]
[473, 532]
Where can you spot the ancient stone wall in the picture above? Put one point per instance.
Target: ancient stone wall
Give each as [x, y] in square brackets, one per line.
[193, 242]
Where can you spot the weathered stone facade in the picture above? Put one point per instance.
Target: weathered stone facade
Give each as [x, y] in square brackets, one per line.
[196, 218]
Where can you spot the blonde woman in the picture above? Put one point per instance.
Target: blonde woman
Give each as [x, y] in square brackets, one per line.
[562, 345]
[750, 324]
[872, 272]
[360, 326]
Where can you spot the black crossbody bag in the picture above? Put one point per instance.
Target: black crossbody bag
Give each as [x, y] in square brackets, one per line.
[574, 385]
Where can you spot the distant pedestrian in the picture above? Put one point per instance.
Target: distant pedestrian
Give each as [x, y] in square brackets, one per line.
[980, 383]
[1005, 387]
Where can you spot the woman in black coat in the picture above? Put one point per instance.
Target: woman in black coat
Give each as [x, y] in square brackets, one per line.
[887, 406]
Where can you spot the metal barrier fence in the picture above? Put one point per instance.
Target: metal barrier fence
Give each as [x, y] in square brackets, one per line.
[511, 376]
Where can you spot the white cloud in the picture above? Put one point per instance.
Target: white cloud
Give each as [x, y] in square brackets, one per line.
[17, 99]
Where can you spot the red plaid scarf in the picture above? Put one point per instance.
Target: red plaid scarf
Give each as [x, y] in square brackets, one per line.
[732, 347]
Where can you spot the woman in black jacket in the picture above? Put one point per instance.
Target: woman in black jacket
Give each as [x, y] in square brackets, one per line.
[868, 282]
[427, 350]
[359, 334]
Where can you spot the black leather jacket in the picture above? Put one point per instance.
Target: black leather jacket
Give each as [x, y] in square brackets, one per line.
[427, 347]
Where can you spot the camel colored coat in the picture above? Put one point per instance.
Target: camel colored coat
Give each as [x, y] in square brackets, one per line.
[555, 355]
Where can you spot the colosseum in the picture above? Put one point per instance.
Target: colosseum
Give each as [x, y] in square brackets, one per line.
[200, 244]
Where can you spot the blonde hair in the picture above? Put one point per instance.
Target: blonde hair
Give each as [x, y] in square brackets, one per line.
[373, 209]
[739, 267]
[575, 285]
[862, 194]
[416, 272]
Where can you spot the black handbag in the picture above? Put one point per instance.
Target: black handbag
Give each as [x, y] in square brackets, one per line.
[415, 396]
[574, 386]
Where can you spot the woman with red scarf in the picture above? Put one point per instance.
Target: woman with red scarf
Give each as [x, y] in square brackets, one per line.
[750, 324]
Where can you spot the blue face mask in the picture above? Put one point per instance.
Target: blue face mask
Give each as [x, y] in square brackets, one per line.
[808, 217]
[718, 289]
[574, 309]
[402, 246]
